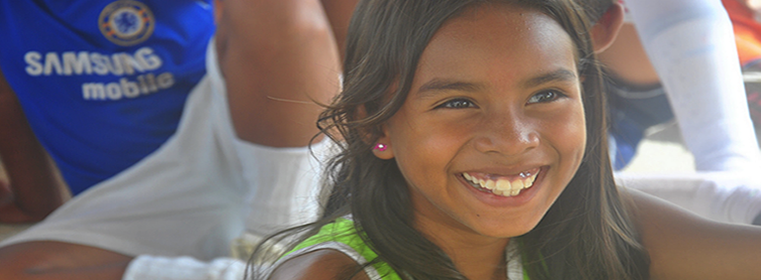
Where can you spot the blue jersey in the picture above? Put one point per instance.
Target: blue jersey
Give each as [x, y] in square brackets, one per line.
[103, 83]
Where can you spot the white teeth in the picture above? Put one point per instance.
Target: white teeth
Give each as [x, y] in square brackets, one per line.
[529, 182]
[490, 185]
[518, 185]
[504, 187]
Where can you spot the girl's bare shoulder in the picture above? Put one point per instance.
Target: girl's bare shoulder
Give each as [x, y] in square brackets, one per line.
[324, 264]
[683, 245]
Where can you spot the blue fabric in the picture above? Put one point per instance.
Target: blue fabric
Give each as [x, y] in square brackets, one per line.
[630, 113]
[103, 83]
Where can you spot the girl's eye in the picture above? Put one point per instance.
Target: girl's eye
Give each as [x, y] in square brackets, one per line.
[545, 96]
[457, 104]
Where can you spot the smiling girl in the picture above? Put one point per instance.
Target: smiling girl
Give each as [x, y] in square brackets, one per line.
[473, 147]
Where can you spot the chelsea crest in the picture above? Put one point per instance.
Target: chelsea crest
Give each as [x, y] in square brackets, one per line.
[126, 22]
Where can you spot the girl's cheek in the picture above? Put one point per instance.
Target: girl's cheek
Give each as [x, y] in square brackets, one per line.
[567, 131]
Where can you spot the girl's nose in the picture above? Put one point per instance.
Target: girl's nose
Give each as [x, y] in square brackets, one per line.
[507, 134]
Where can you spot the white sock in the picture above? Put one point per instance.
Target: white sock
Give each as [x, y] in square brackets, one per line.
[692, 47]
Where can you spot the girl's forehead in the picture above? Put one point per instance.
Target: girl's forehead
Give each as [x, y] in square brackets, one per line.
[503, 40]
[489, 20]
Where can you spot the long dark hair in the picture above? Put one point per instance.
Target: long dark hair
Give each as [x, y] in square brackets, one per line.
[586, 234]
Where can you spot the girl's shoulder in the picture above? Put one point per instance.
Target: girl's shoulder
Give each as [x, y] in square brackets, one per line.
[337, 251]
[683, 245]
[327, 264]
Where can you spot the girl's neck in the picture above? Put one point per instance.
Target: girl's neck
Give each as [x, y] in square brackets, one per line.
[476, 256]
[480, 263]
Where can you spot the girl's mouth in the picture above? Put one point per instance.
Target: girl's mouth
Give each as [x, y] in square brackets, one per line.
[506, 186]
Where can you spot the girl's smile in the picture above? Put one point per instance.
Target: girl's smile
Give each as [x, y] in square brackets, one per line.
[493, 128]
[501, 185]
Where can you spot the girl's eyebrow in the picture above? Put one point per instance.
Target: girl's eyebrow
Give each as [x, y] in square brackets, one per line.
[559, 75]
[437, 84]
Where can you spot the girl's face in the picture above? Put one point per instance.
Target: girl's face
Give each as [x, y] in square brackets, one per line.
[493, 128]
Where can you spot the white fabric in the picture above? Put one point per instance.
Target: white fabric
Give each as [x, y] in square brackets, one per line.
[731, 197]
[185, 268]
[692, 47]
[193, 195]
[514, 261]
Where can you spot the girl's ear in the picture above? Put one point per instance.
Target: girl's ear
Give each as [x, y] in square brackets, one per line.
[606, 29]
[382, 148]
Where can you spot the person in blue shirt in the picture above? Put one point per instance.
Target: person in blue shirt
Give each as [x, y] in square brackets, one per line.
[101, 87]
[168, 122]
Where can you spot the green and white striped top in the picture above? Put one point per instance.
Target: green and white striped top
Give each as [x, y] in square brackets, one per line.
[341, 235]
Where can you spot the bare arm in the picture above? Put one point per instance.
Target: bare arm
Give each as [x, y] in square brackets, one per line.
[278, 58]
[684, 246]
[339, 14]
[35, 189]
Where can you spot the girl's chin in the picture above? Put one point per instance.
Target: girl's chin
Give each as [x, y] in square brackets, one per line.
[510, 230]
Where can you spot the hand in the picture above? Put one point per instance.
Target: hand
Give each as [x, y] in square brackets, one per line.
[32, 187]
[9, 212]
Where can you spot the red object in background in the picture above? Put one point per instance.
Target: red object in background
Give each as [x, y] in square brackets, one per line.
[747, 31]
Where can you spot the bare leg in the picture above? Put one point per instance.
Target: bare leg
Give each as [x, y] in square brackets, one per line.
[57, 260]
